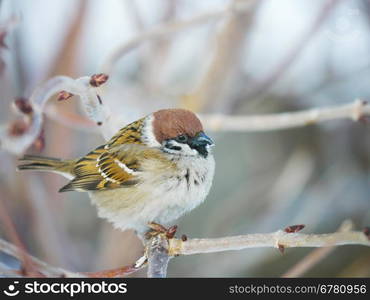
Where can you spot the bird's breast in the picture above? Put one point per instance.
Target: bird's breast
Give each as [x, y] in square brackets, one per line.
[165, 192]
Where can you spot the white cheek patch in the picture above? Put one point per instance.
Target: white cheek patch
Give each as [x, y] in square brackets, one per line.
[188, 151]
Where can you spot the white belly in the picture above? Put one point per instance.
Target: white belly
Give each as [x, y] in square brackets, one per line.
[159, 198]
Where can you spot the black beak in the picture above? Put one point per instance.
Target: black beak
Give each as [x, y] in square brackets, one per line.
[200, 143]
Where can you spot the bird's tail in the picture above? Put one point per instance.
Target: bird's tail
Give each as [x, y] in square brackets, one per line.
[38, 163]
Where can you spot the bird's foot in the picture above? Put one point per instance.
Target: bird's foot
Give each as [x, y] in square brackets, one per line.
[156, 229]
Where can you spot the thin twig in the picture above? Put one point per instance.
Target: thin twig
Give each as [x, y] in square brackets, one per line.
[18, 138]
[355, 111]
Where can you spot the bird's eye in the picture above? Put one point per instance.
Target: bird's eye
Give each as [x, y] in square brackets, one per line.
[182, 138]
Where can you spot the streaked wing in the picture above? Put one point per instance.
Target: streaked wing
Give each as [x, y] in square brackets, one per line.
[104, 169]
[121, 164]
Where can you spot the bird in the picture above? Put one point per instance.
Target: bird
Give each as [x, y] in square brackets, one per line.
[152, 172]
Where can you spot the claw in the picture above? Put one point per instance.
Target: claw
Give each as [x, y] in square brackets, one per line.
[171, 232]
[157, 227]
[160, 229]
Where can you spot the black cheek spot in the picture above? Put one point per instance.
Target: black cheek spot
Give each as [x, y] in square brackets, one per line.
[196, 182]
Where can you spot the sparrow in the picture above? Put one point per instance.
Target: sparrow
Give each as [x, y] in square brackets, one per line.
[154, 170]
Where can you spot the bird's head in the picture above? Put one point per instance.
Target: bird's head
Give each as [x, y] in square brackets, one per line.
[178, 132]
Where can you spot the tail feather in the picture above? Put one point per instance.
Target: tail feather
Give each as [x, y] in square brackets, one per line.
[38, 163]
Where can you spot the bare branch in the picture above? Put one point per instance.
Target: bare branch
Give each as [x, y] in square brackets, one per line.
[42, 267]
[354, 111]
[19, 135]
[160, 250]
[276, 239]
[281, 239]
[28, 129]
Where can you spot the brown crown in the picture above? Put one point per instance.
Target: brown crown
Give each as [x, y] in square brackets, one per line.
[169, 123]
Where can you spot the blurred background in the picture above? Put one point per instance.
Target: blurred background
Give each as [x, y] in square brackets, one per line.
[260, 57]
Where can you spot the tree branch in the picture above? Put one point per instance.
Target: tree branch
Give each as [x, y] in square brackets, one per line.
[276, 239]
[42, 267]
[16, 137]
[354, 111]
[19, 135]
[160, 250]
